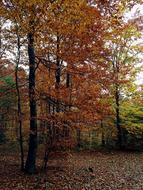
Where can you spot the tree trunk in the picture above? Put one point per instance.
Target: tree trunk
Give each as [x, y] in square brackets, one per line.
[118, 122]
[2, 129]
[30, 166]
[19, 112]
[116, 68]
[58, 75]
[103, 134]
[78, 132]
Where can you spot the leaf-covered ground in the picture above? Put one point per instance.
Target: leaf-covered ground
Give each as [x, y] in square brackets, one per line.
[77, 171]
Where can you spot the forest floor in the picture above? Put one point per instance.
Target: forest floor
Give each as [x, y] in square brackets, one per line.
[76, 171]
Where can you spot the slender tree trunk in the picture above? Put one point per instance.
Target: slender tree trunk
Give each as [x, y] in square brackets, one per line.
[48, 146]
[30, 166]
[58, 75]
[103, 135]
[2, 129]
[118, 122]
[68, 80]
[116, 68]
[19, 103]
[78, 133]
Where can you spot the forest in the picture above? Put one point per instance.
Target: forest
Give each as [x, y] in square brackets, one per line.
[71, 94]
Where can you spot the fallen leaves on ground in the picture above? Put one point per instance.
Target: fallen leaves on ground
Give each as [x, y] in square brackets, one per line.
[77, 171]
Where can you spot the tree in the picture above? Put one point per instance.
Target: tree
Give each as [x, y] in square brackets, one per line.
[15, 10]
[123, 58]
[131, 118]
[19, 106]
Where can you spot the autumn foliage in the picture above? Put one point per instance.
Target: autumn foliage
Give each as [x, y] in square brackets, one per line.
[67, 68]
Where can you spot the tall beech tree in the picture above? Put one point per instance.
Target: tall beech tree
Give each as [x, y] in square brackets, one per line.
[123, 60]
[25, 16]
[31, 158]
[19, 106]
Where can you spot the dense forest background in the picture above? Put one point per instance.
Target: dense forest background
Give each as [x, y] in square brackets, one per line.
[68, 77]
